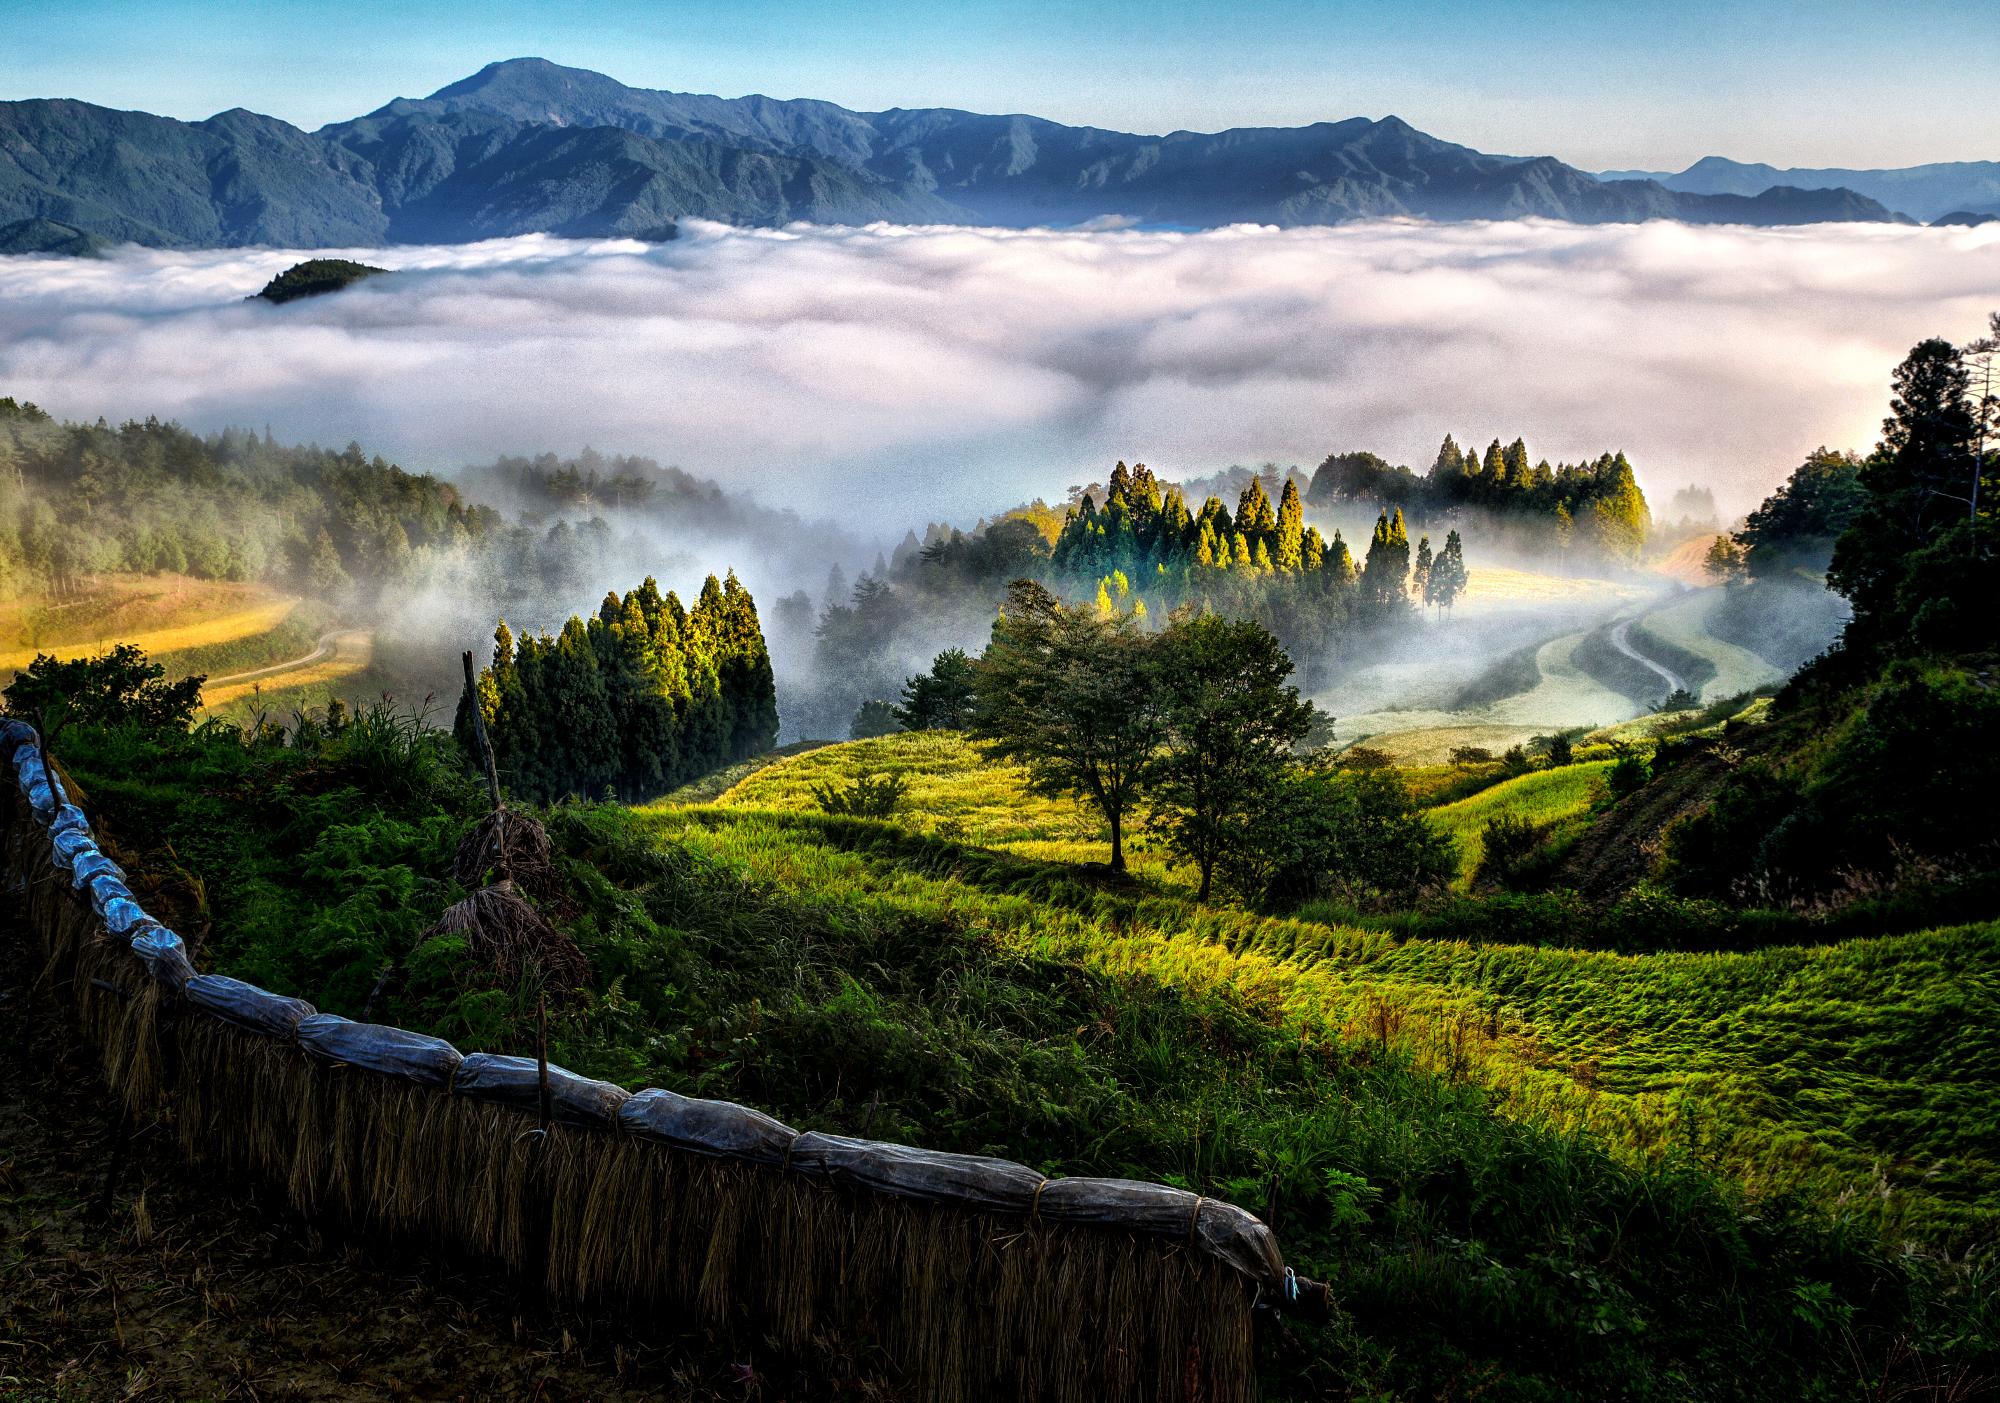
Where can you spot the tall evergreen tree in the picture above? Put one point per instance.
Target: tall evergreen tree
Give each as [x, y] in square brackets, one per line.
[1922, 465]
[1448, 577]
[1385, 575]
[1288, 550]
[1254, 516]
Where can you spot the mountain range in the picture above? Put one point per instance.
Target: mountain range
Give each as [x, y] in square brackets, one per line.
[1929, 193]
[529, 146]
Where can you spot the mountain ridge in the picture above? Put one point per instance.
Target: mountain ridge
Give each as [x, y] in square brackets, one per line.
[529, 146]
[1927, 192]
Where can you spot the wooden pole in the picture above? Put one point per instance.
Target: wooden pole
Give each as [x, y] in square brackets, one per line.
[479, 730]
[542, 1057]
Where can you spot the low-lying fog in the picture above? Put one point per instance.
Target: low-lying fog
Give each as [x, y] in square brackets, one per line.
[891, 376]
[873, 380]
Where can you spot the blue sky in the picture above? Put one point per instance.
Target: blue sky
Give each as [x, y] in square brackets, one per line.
[1837, 82]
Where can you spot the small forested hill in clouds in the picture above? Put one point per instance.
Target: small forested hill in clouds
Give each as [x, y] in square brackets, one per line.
[530, 146]
[315, 278]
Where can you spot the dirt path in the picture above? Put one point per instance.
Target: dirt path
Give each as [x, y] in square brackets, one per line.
[1622, 643]
[334, 655]
[323, 646]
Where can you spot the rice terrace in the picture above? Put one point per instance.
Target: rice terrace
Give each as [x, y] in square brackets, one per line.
[665, 746]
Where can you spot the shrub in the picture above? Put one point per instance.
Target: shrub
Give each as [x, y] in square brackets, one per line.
[1471, 755]
[869, 796]
[1341, 833]
[119, 688]
[941, 699]
[875, 718]
[1510, 848]
[1364, 757]
[1557, 750]
[1629, 773]
[1516, 762]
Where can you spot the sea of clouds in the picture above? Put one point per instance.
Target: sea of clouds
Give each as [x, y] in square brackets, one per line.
[917, 373]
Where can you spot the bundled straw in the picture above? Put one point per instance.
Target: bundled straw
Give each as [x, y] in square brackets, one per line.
[508, 936]
[511, 846]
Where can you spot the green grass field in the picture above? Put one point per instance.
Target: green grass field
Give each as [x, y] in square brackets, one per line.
[1858, 1072]
[1559, 1172]
[953, 793]
[1545, 797]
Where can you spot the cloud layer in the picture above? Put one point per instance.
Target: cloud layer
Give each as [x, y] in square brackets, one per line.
[920, 372]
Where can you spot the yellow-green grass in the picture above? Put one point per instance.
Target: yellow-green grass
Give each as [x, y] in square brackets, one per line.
[1684, 623]
[1854, 1071]
[1543, 796]
[1492, 588]
[277, 697]
[953, 791]
[161, 614]
[711, 787]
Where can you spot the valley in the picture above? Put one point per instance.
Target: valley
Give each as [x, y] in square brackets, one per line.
[1201, 748]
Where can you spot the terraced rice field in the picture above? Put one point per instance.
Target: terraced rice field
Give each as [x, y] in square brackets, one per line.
[161, 614]
[1546, 796]
[1684, 623]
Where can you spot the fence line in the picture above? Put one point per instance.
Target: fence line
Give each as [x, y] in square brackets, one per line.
[977, 1278]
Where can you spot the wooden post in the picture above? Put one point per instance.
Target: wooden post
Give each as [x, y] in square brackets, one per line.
[542, 1057]
[479, 730]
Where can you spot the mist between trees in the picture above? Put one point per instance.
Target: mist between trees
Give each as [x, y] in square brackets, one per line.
[429, 565]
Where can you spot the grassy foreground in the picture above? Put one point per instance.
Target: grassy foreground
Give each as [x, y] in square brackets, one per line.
[1527, 1173]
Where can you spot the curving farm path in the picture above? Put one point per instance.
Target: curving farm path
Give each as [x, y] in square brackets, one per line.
[1623, 644]
[323, 646]
[334, 654]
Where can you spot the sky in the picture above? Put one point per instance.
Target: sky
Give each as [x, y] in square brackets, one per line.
[891, 376]
[1855, 83]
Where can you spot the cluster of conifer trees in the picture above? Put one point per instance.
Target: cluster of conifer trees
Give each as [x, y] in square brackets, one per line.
[1263, 562]
[1594, 508]
[643, 697]
[1149, 534]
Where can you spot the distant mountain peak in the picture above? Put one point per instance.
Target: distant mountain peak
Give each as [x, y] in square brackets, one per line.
[529, 145]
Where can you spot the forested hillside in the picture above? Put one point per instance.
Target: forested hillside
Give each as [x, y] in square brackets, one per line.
[80, 499]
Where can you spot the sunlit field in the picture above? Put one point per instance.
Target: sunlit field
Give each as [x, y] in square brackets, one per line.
[1543, 797]
[1658, 1054]
[161, 614]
